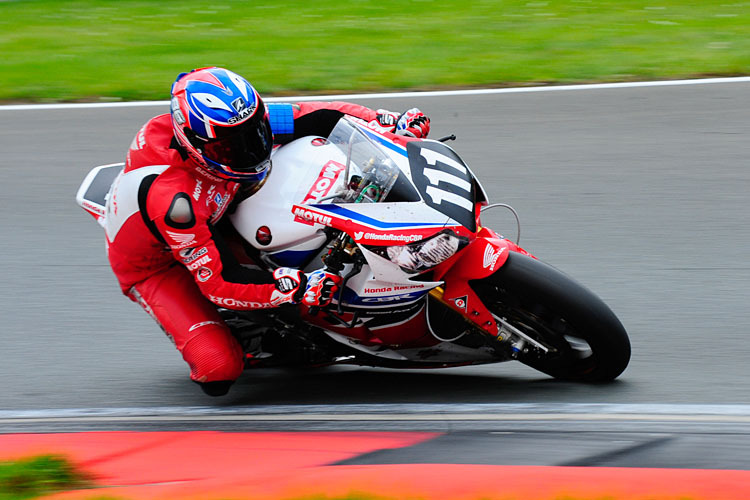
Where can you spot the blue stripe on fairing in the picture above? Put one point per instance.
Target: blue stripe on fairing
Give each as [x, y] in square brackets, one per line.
[339, 210]
[385, 142]
[291, 258]
[352, 299]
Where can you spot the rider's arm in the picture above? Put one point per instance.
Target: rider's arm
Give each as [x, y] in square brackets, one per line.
[199, 247]
[292, 121]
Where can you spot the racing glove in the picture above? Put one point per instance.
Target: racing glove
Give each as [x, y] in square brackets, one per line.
[412, 123]
[290, 286]
[294, 286]
[320, 287]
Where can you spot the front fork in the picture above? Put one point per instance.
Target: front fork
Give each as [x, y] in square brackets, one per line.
[484, 256]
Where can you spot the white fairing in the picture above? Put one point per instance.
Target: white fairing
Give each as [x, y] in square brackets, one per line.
[122, 199]
[311, 169]
[304, 172]
[300, 170]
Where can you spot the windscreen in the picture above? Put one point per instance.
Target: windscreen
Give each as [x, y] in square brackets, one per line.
[373, 176]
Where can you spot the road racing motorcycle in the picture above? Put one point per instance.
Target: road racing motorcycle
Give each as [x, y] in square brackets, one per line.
[424, 283]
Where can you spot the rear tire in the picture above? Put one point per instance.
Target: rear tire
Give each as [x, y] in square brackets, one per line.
[588, 343]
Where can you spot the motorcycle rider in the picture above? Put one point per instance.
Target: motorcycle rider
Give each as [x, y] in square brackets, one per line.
[183, 171]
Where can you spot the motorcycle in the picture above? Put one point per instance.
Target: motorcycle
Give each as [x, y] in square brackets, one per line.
[424, 283]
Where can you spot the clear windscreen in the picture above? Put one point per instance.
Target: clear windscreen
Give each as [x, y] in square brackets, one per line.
[372, 174]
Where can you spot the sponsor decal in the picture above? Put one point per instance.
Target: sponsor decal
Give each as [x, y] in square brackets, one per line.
[204, 173]
[210, 193]
[394, 288]
[243, 111]
[200, 262]
[235, 303]
[92, 207]
[358, 235]
[203, 274]
[393, 298]
[327, 178]
[222, 202]
[239, 104]
[490, 257]
[182, 240]
[203, 323]
[461, 302]
[405, 238]
[319, 141]
[188, 255]
[408, 287]
[197, 190]
[140, 139]
[263, 235]
[309, 217]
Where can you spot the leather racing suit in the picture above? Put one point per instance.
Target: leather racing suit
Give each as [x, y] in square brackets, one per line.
[165, 251]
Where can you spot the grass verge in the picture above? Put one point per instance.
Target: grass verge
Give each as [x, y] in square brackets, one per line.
[35, 476]
[133, 49]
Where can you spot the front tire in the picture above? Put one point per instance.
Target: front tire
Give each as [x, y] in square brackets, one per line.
[585, 340]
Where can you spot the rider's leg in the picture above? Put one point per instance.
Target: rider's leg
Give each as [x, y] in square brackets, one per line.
[192, 322]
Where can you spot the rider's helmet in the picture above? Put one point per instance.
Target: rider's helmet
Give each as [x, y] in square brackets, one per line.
[222, 123]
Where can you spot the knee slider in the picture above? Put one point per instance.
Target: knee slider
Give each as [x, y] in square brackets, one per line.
[213, 355]
[218, 388]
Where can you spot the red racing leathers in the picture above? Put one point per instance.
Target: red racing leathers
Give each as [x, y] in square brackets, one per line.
[166, 254]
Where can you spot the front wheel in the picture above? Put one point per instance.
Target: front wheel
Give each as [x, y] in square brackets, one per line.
[564, 329]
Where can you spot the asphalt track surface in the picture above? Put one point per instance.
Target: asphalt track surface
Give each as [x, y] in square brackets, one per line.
[641, 194]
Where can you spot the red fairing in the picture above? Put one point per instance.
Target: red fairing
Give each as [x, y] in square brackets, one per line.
[485, 254]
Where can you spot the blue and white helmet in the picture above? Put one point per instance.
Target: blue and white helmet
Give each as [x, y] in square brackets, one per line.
[222, 123]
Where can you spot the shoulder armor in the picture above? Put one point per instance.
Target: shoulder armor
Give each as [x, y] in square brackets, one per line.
[180, 214]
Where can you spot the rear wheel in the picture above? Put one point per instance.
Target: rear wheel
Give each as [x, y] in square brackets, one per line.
[557, 326]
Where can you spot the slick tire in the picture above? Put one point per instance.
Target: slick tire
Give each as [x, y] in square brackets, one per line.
[587, 342]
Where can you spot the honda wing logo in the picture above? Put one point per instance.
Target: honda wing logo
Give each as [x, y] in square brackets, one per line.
[182, 240]
[490, 257]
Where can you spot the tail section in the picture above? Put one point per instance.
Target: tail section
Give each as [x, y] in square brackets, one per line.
[92, 195]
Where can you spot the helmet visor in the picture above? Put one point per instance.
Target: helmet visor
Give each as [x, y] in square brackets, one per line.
[244, 148]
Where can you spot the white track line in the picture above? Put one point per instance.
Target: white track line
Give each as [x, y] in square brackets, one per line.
[394, 412]
[393, 95]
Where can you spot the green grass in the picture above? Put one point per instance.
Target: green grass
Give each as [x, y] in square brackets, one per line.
[131, 49]
[35, 476]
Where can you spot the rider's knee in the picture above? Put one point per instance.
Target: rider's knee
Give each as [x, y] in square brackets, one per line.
[214, 356]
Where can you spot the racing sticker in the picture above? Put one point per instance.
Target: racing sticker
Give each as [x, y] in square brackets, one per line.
[204, 274]
[444, 182]
[327, 178]
[460, 302]
[263, 235]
